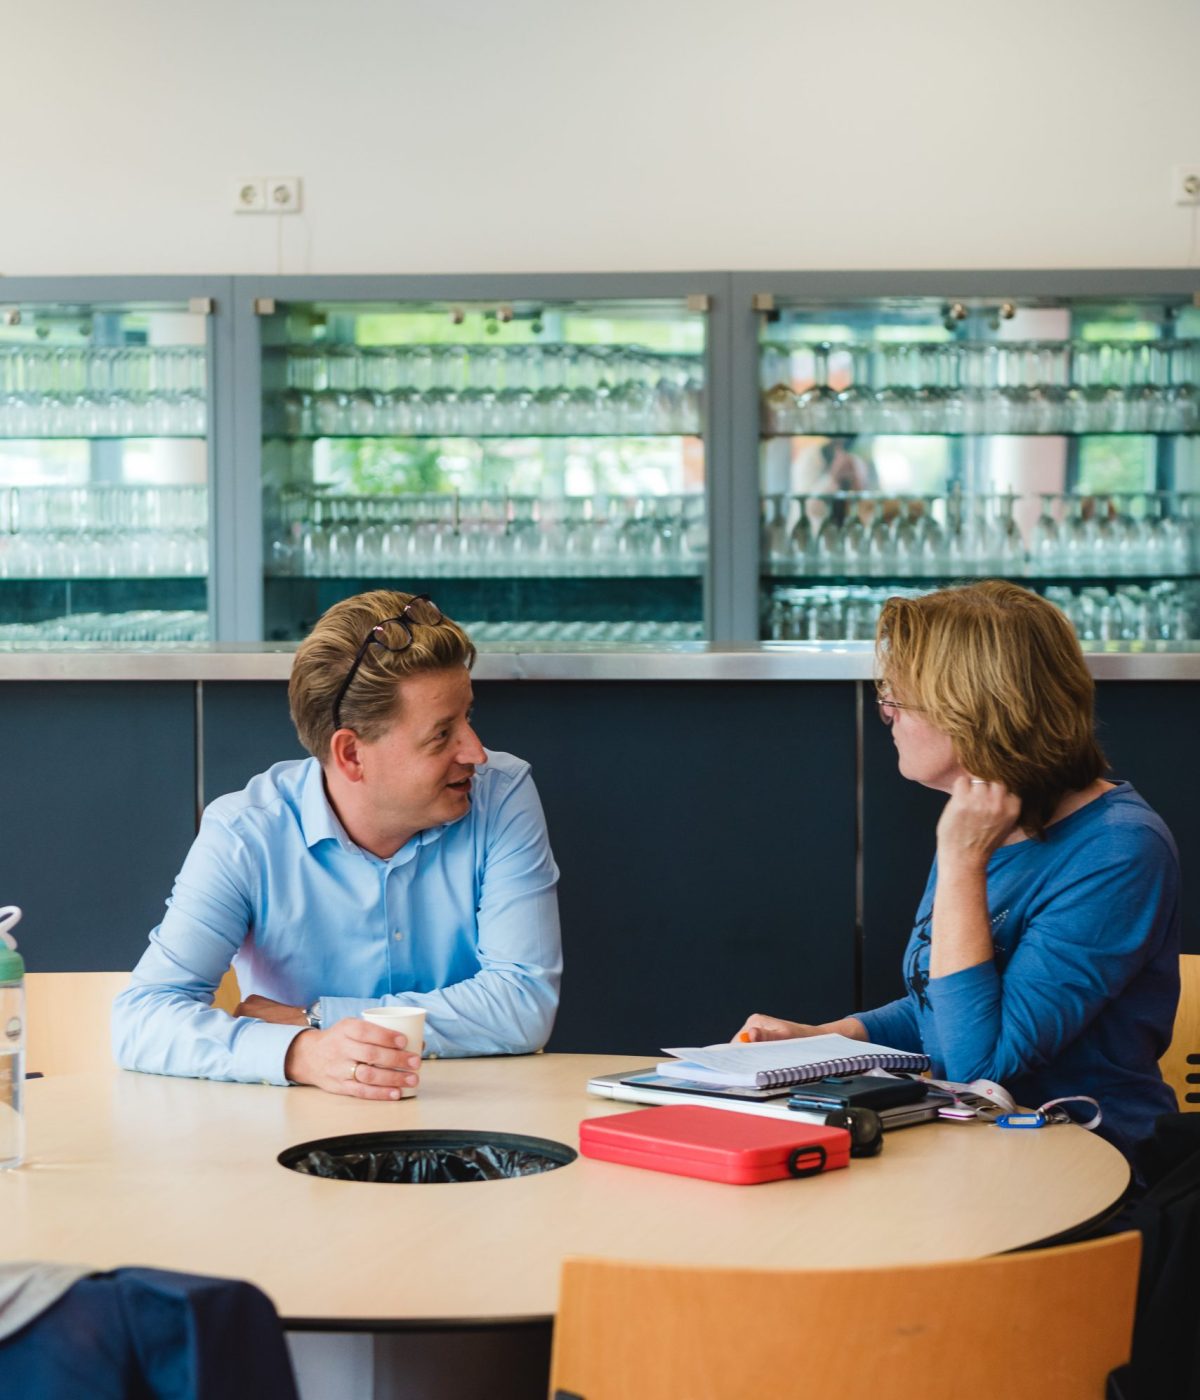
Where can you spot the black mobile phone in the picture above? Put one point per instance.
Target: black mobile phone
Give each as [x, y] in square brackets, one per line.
[857, 1091]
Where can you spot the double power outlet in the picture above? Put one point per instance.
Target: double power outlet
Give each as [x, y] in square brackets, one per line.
[1185, 184]
[267, 194]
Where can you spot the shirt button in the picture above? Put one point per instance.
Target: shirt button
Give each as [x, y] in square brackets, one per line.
[398, 936]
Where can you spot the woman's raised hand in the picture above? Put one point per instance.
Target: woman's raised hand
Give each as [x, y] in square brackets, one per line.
[978, 819]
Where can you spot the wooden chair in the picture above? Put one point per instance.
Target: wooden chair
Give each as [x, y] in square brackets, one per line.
[1039, 1325]
[1181, 1064]
[68, 1016]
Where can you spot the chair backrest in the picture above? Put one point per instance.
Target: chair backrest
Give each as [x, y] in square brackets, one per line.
[1040, 1325]
[68, 1014]
[1180, 1066]
[68, 1018]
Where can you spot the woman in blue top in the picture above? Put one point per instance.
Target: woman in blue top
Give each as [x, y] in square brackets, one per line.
[1046, 949]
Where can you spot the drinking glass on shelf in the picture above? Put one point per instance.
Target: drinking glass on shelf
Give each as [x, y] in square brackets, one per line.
[926, 396]
[337, 372]
[1048, 391]
[816, 408]
[800, 539]
[774, 535]
[1181, 411]
[1045, 544]
[855, 404]
[893, 398]
[1006, 536]
[1080, 536]
[779, 409]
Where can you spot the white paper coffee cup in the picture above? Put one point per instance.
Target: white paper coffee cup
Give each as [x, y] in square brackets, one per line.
[404, 1020]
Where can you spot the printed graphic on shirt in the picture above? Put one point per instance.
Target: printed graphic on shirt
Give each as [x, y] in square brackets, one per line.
[916, 973]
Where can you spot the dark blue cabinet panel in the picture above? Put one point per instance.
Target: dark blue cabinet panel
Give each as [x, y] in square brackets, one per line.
[97, 815]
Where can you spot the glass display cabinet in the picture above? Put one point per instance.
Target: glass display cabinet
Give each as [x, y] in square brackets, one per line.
[908, 441]
[104, 515]
[536, 466]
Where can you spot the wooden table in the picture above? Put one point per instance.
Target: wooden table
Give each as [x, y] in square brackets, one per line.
[130, 1168]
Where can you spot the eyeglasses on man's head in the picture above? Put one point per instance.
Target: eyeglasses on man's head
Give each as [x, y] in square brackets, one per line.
[392, 634]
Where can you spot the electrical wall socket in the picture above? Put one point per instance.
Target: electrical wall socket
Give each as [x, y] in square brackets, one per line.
[250, 195]
[283, 194]
[1185, 184]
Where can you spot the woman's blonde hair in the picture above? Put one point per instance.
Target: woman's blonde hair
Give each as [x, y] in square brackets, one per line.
[999, 671]
[324, 658]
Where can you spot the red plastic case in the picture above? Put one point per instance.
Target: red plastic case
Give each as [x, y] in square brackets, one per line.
[714, 1143]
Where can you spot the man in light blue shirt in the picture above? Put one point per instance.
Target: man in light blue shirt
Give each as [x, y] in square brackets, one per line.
[401, 865]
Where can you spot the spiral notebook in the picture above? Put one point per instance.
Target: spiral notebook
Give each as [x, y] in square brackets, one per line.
[769, 1064]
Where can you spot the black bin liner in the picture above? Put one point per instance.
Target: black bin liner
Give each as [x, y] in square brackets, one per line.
[410, 1158]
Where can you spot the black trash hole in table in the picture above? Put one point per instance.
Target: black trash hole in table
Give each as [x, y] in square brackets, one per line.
[414, 1158]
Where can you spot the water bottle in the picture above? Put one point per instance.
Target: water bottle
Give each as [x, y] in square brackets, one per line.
[12, 1043]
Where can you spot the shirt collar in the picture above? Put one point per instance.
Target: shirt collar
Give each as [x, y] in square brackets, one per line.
[318, 820]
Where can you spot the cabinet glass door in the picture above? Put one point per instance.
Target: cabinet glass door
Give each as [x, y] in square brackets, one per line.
[912, 442]
[537, 469]
[103, 473]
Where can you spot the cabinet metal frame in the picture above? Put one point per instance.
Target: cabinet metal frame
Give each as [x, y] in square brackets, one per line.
[731, 428]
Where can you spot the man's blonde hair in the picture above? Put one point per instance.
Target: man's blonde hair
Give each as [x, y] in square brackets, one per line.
[372, 702]
[998, 670]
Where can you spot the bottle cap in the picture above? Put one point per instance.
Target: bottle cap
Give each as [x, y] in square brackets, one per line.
[12, 964]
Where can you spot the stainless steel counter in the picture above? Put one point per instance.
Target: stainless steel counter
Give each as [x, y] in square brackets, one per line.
[685, 661]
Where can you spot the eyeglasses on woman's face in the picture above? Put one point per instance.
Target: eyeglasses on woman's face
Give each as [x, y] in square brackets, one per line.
[889, 705]
[392, 634]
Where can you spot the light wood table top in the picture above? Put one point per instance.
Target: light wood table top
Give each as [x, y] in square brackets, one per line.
[128, 1168]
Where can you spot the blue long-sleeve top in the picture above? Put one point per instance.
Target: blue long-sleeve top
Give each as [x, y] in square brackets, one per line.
[1080, 995]
[462, 920]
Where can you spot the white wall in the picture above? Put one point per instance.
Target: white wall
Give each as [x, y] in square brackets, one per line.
[560, 135]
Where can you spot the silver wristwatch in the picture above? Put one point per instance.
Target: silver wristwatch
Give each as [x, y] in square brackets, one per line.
[313, 1015]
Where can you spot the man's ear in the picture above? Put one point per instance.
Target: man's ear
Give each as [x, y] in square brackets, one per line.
[345, 755]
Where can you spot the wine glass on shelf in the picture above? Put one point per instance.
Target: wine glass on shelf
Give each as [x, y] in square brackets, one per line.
[892, 398]
[855, 530]
[774, 532]
[1115, 361]
[1181, 412]
[1048, 392]
[816, 408]
[1006, 533]
[856, 403]
[778, 395]
[828, 553]
[1045, 546]
[909, 530]
[927, 396]
[801, 540]
[1080, 536]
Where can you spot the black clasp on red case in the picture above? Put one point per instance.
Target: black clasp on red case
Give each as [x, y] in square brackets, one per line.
[796, 1155]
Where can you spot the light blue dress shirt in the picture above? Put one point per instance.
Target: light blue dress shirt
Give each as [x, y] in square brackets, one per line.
[462, 920]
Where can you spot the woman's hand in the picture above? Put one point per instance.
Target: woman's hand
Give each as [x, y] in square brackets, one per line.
[977, 820]
[772, 1028]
